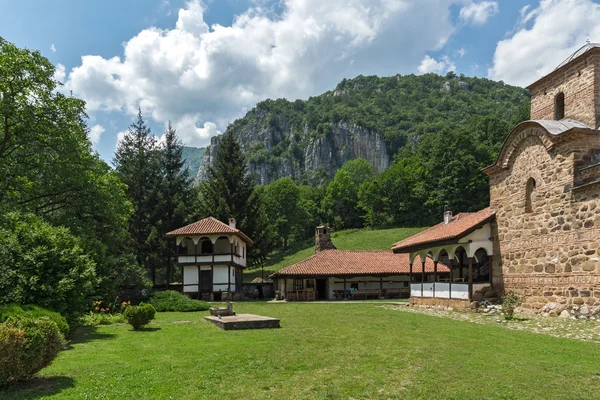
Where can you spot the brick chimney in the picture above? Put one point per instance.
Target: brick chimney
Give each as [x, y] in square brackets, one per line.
[323, 239]
[232, 223]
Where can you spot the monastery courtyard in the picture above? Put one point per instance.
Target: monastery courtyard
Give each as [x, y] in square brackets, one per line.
[357, 350]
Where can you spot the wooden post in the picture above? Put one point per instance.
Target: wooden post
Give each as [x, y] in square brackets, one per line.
[199, 283]
[344, 296]
[410, 279]
[450, 262]
[228, 282]
[196, 252]
[460, 263]
[470, 278]
[212, 278]
[285, 288]
[422, 276]
[435, 263]
[231, 252]
[380, 286]
[490, 275]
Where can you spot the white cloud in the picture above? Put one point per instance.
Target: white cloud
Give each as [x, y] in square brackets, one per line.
[477, 13]
[120, 137]
[429, 64]
[461, 52]
[95, 133]
[545, 37]
[52, 48]
[200, 77]
[60, 73]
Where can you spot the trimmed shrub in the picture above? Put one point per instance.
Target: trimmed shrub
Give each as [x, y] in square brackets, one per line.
[171, 300]
[139, 316]
[35, 312]
[509, 302]
[26, 346]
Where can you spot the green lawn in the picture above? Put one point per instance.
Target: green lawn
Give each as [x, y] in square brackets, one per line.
[352, 239]
[322, 351]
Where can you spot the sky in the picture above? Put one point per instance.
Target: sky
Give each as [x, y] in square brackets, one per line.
[203, 63]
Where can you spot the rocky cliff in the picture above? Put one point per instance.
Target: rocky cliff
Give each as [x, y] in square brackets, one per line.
[366, 117]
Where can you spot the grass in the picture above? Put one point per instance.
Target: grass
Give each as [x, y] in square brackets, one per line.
[322, 351]
[352, 239]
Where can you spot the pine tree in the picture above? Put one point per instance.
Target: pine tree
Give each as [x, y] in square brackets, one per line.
[229, 192]
[136, 163]
[175, 198]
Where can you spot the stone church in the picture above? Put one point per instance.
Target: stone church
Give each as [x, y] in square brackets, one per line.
[540, 235]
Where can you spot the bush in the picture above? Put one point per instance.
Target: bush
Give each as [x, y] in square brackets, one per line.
[139, 316]
[44, 265]
[26, 346]
[30, 311]
[171, 300]
[509, 302]
[93, 319]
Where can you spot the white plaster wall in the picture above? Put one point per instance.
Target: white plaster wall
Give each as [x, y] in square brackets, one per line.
[222, 246]
[190, 276]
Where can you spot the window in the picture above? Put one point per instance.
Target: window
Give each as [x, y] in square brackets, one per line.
[207, 247]
[529, 194]
[559, 106]
[298, 284]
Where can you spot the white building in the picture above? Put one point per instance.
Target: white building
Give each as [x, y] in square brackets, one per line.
[212, 256]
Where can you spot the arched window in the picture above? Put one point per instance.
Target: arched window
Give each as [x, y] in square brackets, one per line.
[206, 247]
[529, 189]
[559, 106]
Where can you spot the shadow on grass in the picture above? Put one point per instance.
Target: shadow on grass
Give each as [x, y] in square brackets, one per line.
[85, 334]
[147, 329]
[37, 388]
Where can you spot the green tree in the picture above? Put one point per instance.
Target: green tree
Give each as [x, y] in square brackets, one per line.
[136, 162]
[229, 192]
[282, 200]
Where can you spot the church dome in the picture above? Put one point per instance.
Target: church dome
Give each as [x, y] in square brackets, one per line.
[588, 46]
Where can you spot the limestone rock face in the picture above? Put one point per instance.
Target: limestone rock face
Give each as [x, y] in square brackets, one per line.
[275, 151]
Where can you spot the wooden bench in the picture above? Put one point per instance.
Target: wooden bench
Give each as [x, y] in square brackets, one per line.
[366, 293]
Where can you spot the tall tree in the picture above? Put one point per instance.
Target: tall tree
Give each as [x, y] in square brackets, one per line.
[136, 161]
[229, 192]
[282, 199]
[175, 199]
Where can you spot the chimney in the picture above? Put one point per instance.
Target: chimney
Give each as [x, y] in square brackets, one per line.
[323, 239]
[447, 217]
[232, 223]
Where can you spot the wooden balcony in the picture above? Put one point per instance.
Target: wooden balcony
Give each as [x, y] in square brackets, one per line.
[212, 258]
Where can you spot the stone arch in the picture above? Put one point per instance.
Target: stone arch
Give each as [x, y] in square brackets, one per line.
[513, 141]
[185, 244]
[222, 245]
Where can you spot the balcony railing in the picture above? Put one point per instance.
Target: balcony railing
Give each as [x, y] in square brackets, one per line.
[207, 258]
[444, 290]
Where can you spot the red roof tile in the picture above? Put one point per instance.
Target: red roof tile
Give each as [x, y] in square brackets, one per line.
[461, 225]
[354, 263]
[209, 226]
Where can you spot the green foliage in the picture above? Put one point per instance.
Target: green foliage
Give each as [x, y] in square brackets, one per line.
[284, 210]
[139, 316]
[170, 300]
[510, 302]
[44, 265]
[228, 192]
[33, 312]
[192, 156]
[94, 319]
[26, 346]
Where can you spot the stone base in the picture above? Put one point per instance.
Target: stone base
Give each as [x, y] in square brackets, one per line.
[455, 304]
[244, 321]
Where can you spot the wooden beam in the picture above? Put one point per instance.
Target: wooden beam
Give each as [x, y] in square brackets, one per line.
[470, 278]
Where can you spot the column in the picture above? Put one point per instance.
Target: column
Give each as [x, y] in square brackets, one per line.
[410, 278]
[470, 278]
[422, 276]
[490, 274]
[435, 263]
[199, 283]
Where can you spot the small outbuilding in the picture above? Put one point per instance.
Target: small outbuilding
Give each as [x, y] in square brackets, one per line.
[333, 274]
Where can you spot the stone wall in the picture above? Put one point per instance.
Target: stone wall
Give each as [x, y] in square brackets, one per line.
[552, 254]
[580, 83]
[252, 290]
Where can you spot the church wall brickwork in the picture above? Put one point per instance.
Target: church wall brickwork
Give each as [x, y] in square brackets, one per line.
[580, 83]
[551, 254]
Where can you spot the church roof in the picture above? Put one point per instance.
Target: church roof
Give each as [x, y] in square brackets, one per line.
[561, 126]
[209, 226]
[583, 49]
[356, 263]
[461, 225]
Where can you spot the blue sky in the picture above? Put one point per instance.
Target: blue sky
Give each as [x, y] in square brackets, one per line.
[202, 64]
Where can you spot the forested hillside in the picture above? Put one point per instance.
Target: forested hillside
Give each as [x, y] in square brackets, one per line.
[368, 117]
[192, 157]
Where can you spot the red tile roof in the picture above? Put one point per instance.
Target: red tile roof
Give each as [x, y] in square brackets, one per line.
[462, 224]
[209, 226]
[355, 263]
